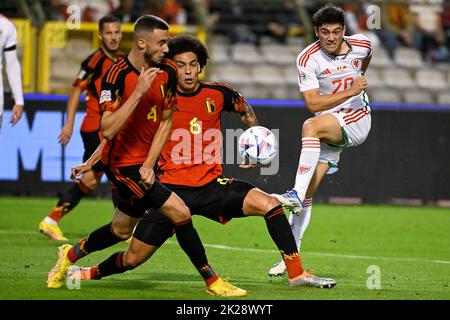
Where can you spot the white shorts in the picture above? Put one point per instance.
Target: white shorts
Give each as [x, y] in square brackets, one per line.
[355, 127]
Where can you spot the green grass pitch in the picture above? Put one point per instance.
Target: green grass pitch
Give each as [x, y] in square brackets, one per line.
[409, 245]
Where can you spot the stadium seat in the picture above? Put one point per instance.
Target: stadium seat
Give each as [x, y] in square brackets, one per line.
[380, 59]
[398, 79]
[231, 73]
[384, 95]
[267, 75]
[443, 98]
[374, 78]
[252, 91]
[290, 75]
[285, 92]
[295, 45]
[63, 72]
[246, 54]
[418, 96]
[277, 54]
[408, 58]
[219, 51]
[431, 79]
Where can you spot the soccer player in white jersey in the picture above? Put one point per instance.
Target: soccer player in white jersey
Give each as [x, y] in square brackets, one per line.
[331, 79]
[8, 42]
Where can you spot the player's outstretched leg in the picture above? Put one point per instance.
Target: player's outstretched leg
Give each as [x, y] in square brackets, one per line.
[290, 200]
[57, 275]
[299, 223]
[148, 237]
[68, 200]
[255, 203]
[103, 237]
[310, 280]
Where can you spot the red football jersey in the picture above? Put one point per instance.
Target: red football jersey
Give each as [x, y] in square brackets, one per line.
[192, 154]
[131, 144]
[90, 79]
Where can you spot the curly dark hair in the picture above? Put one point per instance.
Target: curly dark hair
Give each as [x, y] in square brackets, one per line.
[188, 43]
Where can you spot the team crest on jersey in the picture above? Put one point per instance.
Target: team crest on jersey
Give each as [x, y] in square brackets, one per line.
[209, 104]
[356, 64]
[303, 169]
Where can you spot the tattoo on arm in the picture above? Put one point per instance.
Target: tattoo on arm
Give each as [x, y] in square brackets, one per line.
[248, 116]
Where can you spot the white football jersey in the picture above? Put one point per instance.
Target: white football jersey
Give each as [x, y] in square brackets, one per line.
[8, 39]
[318, 69]
[8, 35]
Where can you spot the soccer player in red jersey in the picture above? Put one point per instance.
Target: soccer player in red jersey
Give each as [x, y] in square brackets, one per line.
[137, 95]
[89, 80]
[195, 172]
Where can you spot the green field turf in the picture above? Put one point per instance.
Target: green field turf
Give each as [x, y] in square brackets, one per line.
[410, 246]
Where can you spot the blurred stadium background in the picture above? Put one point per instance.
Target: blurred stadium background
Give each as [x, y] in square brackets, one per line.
[253, 45]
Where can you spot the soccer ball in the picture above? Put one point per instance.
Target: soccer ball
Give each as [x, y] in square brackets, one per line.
[258, 145]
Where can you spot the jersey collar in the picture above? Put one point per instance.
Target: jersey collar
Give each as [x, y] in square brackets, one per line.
[340, 56]
[191, 94]
[131, 66]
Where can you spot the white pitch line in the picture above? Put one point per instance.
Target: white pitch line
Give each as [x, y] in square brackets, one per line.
[319, 254]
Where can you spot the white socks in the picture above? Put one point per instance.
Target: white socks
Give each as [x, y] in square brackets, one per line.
[307, 165]
[299, 223]
[50, 220]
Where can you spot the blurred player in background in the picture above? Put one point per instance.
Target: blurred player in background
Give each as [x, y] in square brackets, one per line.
[137, 98]
[195, 172]
[331, 79]
[89, 79]
[8, 43]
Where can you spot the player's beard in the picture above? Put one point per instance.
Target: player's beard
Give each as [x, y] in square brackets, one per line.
[110, 49]
[152, 59]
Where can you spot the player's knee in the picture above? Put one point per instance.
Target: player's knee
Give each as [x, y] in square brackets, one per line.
[309, 128]
[183, 213]
[121, 230]
[268, 204]
[91, 182]
[132, 260]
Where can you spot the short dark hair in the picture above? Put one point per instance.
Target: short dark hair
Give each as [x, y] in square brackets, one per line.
[328, 14]
[109, 18]
[188, 43]
[149, 23]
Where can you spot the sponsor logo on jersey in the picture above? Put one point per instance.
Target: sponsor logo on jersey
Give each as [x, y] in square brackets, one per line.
[326, 72]
[356, 64]
[341, 68]
[303, 169]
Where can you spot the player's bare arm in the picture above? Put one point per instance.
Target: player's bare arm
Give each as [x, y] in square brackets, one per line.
[146, 170]
[317, 102]
[248, 116]
[112, 122]
[72, 106]
[80, 169]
